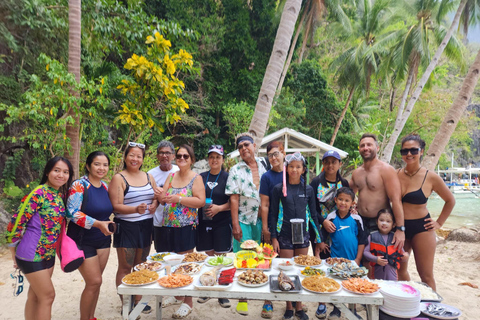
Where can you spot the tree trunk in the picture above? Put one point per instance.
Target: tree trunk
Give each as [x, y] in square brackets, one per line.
[400, 123]
[274, 69]
[453, 116]
[339, 122]
[292, 49]
[74, 57]
[305, 37]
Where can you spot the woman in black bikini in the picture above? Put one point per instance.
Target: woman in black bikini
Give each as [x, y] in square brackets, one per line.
[417, 185]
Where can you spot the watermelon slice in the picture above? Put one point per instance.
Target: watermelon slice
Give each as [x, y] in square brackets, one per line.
[268, 251]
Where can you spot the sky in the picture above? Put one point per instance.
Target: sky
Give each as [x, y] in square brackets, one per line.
[474, 35]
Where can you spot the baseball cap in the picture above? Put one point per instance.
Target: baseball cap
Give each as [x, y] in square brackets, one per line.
[331, 153]
[216, 148]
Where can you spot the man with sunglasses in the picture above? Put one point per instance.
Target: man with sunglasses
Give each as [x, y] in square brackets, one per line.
[378, 188]
[243, 185]
[165, 156]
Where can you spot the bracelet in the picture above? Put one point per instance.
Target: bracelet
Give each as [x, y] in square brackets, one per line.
[179, 200]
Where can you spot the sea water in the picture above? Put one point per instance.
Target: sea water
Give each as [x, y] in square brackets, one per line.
[466, 212]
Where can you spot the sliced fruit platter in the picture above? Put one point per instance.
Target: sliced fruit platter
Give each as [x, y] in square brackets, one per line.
[246, 259]
[216, 261]
[347, 270]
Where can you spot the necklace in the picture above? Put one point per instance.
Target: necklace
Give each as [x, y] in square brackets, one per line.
[411, 175]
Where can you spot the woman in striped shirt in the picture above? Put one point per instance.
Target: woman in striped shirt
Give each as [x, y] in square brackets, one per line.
[134, 204]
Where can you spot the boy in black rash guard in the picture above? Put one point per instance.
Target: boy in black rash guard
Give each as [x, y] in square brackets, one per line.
[293, 200]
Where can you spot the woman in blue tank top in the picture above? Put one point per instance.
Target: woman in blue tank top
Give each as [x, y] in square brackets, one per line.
[89, 209]
[133, 200]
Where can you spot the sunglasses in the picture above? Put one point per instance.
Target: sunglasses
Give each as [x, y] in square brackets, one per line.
[413, 151]
[216, 146]
[244, 145]
[273, 154]
[185, 156]
[134, 144]
[18, 285]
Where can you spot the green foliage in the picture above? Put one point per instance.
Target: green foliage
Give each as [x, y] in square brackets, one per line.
[11, 165]
[238, 117]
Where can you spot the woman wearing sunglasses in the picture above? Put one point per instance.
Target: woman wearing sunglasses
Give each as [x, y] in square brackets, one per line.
[183, 195]
[33, 233]
[132, 194]
[417, 185]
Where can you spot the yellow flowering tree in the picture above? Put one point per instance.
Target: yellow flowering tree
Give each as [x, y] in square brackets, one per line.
[153, 91]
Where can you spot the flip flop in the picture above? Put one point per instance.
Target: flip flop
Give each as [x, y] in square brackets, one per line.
[242, 308]
[182, 312]
[267, 311]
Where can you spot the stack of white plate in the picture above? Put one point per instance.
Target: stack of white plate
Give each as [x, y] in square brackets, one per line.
[400, 300]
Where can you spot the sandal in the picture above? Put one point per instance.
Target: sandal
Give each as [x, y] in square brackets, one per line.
[267, 311]
[288, 315]
[224, 303]
[301, 315]
[202, 299]
[170, 301]
[242, 308]
[182, 312]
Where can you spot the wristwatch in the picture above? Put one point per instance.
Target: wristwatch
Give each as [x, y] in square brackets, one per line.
[401, 228]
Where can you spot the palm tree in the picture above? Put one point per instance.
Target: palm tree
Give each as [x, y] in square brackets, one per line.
[274, 69]
[470, 16]
[74, 58]
[415, 49]
[357, 64]
[453, 116]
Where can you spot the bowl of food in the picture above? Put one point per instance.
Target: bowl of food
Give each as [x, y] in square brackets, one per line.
[285, 266]
[173, 259]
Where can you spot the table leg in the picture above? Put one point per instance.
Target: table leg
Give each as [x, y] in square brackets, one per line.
[373, 312]
[346, 311]
[159, 300]
[138, 308]
[127, 300]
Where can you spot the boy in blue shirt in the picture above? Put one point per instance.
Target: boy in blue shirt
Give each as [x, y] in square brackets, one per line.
[349, 238]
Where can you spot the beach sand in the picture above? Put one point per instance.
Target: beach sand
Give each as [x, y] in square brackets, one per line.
[455, 262]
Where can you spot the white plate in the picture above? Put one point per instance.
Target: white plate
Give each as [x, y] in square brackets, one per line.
[302, 265]
[157, 253]
[331, 292]
[397, 315]
[423, 309]
[175, 287]
[139, 285]
[360, 293]
[219, 265]
[186, 263]
[253, 285]
[162, 266]
[198, 285]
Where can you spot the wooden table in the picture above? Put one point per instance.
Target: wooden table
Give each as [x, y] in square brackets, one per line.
[340, 299]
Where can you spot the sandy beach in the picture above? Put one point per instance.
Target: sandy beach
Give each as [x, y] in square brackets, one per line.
[455, 262]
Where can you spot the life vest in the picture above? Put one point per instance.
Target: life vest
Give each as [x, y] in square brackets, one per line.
[380, 249]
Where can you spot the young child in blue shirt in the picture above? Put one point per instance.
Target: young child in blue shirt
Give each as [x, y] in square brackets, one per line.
[349, 239]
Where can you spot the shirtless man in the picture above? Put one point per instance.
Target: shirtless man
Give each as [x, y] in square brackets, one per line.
[377, 185]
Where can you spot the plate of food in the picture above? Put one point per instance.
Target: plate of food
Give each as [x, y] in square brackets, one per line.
[249, 259]
[360, 286]
[189, 268]
[331, 261]
[195, 257]
[307, 261]
[175, 281]
[320, 284]
[249, 244]
[215, 280]
[150, 265]
[346, 270]
[311, 271]
[439, 310]
[284, 283]
[217, 261]
[253, 278]
[140, 278]
[158, 256]
[285, 266]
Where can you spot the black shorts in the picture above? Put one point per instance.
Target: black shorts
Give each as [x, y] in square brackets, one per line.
[369, 225]
[415, 226]
[172, 239]
[136, 234]
[33, 266]
[90, 249]
[215, 237]
[285, 243]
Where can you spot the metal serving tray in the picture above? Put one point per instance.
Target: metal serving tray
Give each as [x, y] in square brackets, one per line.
[274, 284]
